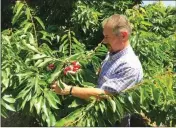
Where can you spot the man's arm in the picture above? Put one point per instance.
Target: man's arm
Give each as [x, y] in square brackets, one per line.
[86, 93]
[80, 92]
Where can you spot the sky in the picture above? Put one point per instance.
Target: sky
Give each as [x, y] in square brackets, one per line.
[166, 2]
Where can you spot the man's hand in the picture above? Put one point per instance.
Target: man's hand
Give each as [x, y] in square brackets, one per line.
[60, 91]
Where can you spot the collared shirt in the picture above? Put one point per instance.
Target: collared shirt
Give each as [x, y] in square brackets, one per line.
[120, 71]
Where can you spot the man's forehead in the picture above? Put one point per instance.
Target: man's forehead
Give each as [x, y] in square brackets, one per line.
[108, 25]
[107, 30]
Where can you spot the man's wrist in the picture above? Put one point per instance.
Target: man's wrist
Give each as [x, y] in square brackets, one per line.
[70, 93]
[66, 90]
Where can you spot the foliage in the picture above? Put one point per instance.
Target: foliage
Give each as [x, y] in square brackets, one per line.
[153, 47]
[25, 63]
[34, 56]
[155, 98]
[87, 17]
[63, 15]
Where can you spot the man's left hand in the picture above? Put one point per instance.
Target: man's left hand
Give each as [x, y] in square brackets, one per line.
[55, 87]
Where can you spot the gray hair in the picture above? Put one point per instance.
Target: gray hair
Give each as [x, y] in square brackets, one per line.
[118, 23]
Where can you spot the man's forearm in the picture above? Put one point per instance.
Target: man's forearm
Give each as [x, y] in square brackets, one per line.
[86, 93]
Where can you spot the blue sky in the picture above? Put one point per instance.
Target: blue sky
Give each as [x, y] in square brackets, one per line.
[166, 2]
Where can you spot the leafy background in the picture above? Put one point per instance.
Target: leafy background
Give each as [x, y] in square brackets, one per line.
[38, 33]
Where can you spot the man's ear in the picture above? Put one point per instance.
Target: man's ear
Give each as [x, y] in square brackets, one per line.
[124, 34]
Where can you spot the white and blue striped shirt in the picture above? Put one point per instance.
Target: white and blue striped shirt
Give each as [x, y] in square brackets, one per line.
[120, 71]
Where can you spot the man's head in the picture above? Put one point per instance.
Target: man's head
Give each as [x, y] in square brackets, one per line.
[116, 31]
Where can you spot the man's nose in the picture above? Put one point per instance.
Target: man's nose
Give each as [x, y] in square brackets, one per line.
[104, 41]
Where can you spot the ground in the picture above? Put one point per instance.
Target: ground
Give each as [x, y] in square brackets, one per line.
[18, 120]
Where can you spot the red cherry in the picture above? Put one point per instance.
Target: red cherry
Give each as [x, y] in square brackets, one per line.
[75, 69]
[65, 72]
[77, 66]
[51, 66]
[67, 68]
[74, 63]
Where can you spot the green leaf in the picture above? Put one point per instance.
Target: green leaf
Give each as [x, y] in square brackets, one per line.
[156, 94]
[88, 122]
[46, 39]
[56, 73]
[130, 99]
[27, 26]
[54, 97]
[102, 107]
[63, 37]
[113, 104]
[74, 57]
[52, 120]
[5, 79]
[38, 104]
[146, 23]
[28, 14]
[88, 84]
[23, 23]
[142, 97]
[32, 103]
[50, 100]
[39, 56]
[168, 81]
[36, 86]
[24, 101]
[143, 10]
[19, 8]
[67, 121]
[45, 62]
[31, 40]
[4, 112]
[38, 62]
[24, 92]
[119, 108]
[30, 47]
[8, 98]
[81, 46]
[8, 71]
[44, 108]
[60, 84]
[23, 75]
[40, 22]
[10, 107]
[74, 104]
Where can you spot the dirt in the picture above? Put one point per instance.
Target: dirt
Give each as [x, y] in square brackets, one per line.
[18, 120]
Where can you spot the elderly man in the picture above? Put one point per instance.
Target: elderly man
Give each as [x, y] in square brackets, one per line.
[121, 68]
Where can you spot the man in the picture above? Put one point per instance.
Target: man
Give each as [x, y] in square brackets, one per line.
[121, 68]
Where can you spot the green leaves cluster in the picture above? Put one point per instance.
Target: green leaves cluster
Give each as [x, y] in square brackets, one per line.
[151, 42]
[153, 98]
[30, 46]
[25, 71]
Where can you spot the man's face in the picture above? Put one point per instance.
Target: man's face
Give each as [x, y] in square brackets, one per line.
[112, 41]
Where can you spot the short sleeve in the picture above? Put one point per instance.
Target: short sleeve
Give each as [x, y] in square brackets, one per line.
[127, 78]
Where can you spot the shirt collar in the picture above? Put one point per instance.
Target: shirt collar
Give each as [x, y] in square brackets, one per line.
[120, 53]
